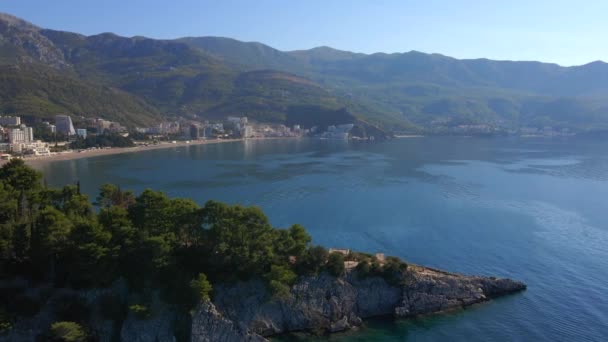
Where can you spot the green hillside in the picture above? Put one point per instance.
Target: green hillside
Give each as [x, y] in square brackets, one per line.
[432, 89]
[35, 91]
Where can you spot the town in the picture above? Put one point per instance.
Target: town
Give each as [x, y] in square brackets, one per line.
[45, 139]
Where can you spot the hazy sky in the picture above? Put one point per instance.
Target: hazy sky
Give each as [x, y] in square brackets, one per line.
[564, 32]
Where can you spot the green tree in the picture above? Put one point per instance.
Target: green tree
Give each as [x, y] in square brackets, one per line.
[363, 269]
[148, 213]
[115, 219]
[8, 204]
[21, 240]
[49, 239]
[312, 262]
[74, 204]
[52, 231]
[88, 256]
[183, 214]
[201, 288]
[301, 240]
[241, 238]
[280, 279]
[19, 176]
[112, 195]
[335, 264]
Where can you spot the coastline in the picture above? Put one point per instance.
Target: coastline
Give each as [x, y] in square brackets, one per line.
[32, 161]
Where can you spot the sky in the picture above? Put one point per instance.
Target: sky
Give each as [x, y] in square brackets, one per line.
[558, 31]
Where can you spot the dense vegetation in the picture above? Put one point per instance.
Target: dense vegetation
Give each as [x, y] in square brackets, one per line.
[37, 91]
[55, 235]
[155, 243]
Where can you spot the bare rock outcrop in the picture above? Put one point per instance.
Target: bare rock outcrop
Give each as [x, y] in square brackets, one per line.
[208, 325]
[327, 303]
[430, 291]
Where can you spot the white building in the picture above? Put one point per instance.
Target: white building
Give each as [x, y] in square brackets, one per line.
[81, 132]
[247, 131]
[21, 135]
[50, 127]
[10, 121]
[103, 125]
[64, 124]
[37, 148]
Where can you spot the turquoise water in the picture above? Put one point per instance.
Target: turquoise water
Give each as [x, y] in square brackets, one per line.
[531, 209]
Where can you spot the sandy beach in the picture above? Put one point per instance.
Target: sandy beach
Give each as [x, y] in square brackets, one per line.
[117, 150]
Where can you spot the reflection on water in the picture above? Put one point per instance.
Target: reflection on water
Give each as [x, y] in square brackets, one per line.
[531, 209]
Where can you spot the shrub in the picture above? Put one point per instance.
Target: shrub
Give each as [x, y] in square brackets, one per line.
[312, 261]
[363, 269]
[394, 270]
[201, 288]
[140, 311]
[335, 264]
[68, 332]
[278, 289]
[280, 279]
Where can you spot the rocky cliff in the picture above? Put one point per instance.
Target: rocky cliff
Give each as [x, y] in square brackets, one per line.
[246, 311]
[326, 303]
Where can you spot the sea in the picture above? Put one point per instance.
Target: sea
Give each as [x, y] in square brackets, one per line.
[531, 209]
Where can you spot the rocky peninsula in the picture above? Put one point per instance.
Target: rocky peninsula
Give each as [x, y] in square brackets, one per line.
[246, 311]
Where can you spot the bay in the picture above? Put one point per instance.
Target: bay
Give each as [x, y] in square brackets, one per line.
[530, 209]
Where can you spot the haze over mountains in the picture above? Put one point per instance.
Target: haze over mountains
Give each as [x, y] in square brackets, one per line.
[139, 81]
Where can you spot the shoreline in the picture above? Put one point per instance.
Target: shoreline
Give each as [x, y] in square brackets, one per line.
[36, 161]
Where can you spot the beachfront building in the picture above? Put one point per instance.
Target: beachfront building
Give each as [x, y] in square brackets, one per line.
[195, 132]
[102, 125]
[10, 120]
[339, 250]
[64, 125]
[81, 133]
[247, 131]
[21, 135]
[339, 131]
[241, 128]
[211, 130]
[50, 127]
[36, 148]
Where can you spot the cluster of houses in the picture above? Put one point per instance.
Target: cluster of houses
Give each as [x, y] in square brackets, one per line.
[232, 127]
[241, 127]
[17, 138]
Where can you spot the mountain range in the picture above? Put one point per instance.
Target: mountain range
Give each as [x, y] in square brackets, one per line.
[140, 81]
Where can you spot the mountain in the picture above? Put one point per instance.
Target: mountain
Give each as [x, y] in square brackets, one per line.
[139, 80]
[433, 90]
[37, 81]
[246, 56]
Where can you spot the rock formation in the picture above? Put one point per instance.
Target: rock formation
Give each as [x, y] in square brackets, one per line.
[246, 311]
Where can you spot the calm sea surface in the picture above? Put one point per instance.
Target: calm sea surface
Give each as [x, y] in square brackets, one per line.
[531, 209]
